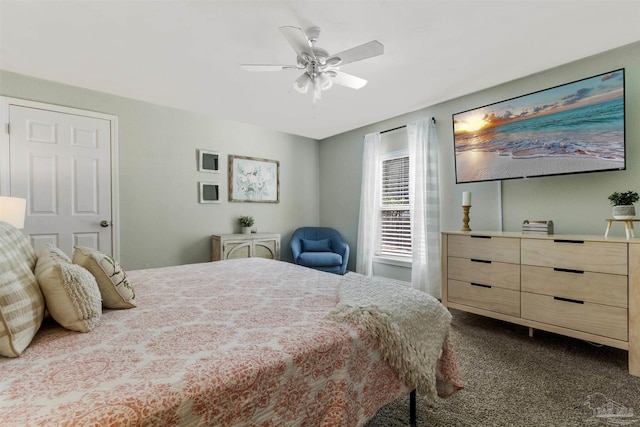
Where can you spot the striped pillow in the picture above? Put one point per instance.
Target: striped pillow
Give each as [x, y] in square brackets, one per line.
[21, 302]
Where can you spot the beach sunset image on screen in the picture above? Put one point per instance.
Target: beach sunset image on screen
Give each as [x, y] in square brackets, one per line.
[573, 128]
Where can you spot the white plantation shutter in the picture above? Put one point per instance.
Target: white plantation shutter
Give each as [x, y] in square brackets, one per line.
[395, 223]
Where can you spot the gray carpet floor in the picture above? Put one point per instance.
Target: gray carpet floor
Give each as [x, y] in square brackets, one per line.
[514, 380]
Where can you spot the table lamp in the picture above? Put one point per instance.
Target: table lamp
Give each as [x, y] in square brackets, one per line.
[12, 210]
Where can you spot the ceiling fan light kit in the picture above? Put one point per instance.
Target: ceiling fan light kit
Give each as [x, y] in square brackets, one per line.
[321, 70]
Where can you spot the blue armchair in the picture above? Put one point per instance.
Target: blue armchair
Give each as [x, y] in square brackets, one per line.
[321, 248]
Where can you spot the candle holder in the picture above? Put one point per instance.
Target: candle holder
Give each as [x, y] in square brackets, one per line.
[465, 218]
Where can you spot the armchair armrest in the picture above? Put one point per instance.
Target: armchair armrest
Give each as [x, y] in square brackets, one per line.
[296, 249]
[341, 248]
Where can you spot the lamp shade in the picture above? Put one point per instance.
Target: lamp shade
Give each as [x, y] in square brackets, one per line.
[12, 210]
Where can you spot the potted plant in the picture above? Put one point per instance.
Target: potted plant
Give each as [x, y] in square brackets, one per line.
[246, 222]
[623, 204]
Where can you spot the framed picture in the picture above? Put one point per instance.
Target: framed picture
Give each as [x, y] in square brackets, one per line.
[209, 192]
[208, 161]
[254, 180]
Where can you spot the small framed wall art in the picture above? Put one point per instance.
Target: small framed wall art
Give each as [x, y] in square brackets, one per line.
[208, 161]
[209, 192]
[254, 180]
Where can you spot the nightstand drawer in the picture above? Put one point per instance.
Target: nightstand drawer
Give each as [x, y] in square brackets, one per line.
[500, 300]
[601, 257]
[600, 288]
[499, 274]
[502, 249]
[597, 319]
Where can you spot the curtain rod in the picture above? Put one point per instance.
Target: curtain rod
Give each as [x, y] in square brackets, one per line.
[433, 120]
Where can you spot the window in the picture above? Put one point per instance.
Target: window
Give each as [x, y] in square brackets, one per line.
[395, 222]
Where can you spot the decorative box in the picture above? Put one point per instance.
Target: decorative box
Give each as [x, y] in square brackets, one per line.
[530, 226]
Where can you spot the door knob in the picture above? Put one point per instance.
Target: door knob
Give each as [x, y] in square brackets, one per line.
[104, 223]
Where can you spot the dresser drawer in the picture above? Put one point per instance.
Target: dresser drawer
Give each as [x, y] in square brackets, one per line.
[499, 274]
[597, 319]
[600, 288]
[503, 249]
[500, 300]
[601, 257]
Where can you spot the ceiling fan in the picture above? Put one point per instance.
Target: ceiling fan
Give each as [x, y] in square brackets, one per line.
[321, 70]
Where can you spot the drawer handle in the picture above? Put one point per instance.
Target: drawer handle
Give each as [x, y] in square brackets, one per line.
[484, 261]
[575, 301]
[480, 237]
[480, 285]
[568, 241]
[568, 270]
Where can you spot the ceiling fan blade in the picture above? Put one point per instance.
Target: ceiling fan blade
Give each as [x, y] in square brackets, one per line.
[347, 80]
[266, 67]
[358, 53]
[297, 39]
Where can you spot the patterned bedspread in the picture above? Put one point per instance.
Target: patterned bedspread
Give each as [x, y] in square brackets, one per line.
[234, 343]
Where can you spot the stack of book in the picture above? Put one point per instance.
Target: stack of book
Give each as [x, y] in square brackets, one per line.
[530, 226]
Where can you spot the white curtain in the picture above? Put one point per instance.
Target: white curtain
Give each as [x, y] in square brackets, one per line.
[424, 205]
[369, 197]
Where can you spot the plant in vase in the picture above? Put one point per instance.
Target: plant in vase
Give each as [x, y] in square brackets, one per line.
[246, 222]
[623, 204]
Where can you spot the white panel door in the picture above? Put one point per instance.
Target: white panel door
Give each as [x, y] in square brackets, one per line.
[61, 163]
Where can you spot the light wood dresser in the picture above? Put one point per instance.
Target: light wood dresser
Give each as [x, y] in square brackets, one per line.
[230, 246]
[586, 287]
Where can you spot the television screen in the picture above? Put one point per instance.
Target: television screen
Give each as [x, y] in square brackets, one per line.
[577, 127]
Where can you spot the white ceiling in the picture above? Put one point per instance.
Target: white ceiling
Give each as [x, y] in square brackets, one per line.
[187, 54]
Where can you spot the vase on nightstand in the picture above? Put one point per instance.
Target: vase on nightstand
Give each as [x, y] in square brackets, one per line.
[246, 230]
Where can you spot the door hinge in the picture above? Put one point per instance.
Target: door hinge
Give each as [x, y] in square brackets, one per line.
[8, 128]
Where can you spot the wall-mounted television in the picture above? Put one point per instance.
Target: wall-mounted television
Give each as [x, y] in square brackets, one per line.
[576, 127]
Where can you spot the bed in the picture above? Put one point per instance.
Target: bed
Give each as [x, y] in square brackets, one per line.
[247, 342]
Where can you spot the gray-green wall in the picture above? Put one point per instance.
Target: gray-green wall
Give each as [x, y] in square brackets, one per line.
[162, 222]
[577, 204]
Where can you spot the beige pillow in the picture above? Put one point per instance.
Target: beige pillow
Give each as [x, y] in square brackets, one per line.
[70, 292]
[116, 290]
[48, 256]
[21, 302]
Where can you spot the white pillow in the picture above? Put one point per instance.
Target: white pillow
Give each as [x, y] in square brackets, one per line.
[70, 292]
[21, 302]
[116, 290]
